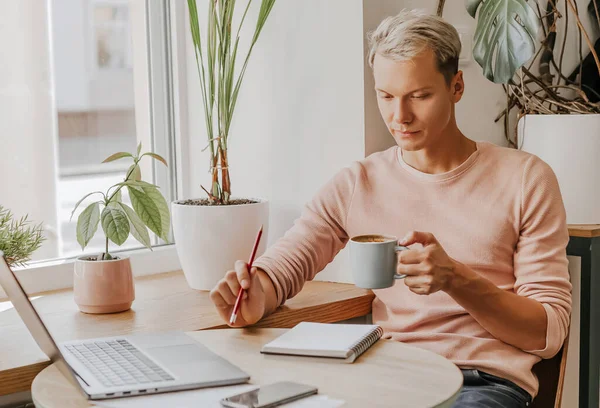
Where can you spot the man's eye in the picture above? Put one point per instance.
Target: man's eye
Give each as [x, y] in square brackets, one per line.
[420, 96]
[386, 96]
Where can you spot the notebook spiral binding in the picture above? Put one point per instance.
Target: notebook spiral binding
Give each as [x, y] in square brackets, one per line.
[361, 346]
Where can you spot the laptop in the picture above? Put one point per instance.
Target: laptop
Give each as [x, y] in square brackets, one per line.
[121, 366]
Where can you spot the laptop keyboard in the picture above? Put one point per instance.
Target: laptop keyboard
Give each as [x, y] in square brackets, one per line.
[118, 362]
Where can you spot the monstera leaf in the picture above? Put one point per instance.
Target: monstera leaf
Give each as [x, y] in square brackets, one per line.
[505, 36]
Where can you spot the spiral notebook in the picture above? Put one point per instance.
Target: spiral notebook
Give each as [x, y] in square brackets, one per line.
[339, 341]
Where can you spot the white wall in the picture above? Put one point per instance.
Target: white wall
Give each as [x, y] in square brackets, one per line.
[299, 117]
[27, 117]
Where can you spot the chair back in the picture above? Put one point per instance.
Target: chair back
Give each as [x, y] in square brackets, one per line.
[551, 375]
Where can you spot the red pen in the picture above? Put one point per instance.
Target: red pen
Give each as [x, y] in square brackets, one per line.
[238, 300]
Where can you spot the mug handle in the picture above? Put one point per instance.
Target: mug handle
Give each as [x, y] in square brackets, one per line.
[399, 248]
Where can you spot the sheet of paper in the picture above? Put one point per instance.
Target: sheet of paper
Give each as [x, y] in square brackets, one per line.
[208, 398]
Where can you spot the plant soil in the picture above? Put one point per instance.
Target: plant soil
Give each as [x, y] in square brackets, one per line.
[98, 258]
[206, 202]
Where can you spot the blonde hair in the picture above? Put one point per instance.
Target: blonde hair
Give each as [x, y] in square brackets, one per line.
[410, 32]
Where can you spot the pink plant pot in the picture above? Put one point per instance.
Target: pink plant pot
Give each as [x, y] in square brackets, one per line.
[103, 286]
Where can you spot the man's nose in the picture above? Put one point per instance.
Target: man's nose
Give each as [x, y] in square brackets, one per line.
[402, 112]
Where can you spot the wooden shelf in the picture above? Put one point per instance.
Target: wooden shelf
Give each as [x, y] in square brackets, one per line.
[163, 302]
[584, 230]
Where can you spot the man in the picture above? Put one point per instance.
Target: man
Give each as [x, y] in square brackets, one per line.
[488, 286]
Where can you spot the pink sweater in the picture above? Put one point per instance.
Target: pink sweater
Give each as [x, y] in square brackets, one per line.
[500, 213]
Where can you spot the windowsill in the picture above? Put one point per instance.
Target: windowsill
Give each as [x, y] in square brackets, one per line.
[55, 274]
[163, 302]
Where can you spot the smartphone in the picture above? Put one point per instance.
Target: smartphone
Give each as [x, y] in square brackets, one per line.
[271, 395]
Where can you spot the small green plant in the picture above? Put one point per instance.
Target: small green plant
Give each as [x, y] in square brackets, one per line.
[118, 220]
[18, 238]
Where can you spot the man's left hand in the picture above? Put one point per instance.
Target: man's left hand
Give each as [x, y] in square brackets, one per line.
[427, 269]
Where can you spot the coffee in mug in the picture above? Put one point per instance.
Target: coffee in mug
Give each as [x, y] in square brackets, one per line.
[373, 260]
[370, 238]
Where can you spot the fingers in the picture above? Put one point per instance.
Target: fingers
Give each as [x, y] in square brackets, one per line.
[421, 285]
[218, 299]
[232, 281]
[418, 268]
[410, 256]
[243, 275]
[419, 280]
[254, 277]
[226, 292]
[414, 237]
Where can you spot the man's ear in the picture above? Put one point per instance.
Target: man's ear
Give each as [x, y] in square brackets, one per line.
[458, 86]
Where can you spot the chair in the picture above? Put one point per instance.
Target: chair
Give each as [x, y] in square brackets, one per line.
[551, 374]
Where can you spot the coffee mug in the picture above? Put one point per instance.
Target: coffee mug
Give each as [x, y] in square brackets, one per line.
[373, 259]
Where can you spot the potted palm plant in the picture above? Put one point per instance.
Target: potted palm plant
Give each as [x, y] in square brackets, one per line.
[214, 231]
[523, 46]
[103, 283]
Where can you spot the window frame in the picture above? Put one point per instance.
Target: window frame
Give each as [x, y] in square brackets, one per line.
[154, 94]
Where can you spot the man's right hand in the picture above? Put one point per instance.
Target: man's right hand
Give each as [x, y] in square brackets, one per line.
[253, 304]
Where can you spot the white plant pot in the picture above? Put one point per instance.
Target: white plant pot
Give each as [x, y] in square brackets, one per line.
[209, 239]
[570, 144]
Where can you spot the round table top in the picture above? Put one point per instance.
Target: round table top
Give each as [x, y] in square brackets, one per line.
[388, 374]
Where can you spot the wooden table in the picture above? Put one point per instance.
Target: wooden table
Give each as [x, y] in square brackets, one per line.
[21, 360]
[163, 302]
[585, 242]
[389, 374]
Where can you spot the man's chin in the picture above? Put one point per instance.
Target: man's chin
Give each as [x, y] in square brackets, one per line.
[410, 145]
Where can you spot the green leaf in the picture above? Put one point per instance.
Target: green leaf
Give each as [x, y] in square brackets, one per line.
[137, 227]
[87, 224]
[471, 6]
[504, 37]
[115, 223]
[147, 209]
[138, 185]
[117, 156]
[157, 157]
[139, 149]
[136, 173]
[163, 208]
[80, 201]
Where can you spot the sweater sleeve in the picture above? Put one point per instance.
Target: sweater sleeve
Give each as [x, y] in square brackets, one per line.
[314, 239]
[540, 260]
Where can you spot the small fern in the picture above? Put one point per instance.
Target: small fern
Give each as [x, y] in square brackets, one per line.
[18, 238]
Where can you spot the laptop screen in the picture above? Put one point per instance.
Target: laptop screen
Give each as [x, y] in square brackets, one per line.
[16, 294]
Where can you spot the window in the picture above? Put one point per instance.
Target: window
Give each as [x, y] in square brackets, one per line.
[87, 79]
[95, 107]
